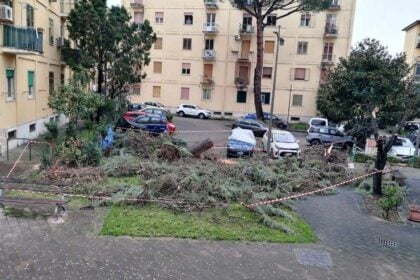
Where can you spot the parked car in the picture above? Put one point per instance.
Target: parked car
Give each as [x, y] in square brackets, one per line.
[193, 110]
[403, 149]
[413, 136]
[256, 126]
[241, 143]
[324, 135]
[412, 125]
[155, 124]
[135, 106]
[131, 115]
[154, 104]
[277, 122]
[317, 122]
[282, 143]
[156, 111]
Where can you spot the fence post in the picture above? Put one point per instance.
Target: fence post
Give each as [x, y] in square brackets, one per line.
[30, 150]
[7, 147]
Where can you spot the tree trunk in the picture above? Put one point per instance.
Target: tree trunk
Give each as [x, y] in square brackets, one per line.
[258, 69]
[201, 148]
[100, 77]
[380, 163]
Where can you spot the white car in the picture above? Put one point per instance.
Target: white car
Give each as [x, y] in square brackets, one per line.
[282, 143]
[317, 122]
[403, 149]
[192, 110]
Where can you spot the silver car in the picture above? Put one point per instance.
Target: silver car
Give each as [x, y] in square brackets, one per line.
[326, 135]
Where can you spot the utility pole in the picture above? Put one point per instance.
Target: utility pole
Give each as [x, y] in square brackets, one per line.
[288, 107]
[273, 93]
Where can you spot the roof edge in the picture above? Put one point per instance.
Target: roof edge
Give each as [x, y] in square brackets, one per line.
[411, 25]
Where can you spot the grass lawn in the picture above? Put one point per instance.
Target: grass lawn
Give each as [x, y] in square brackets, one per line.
[298, 126]
[237, 223]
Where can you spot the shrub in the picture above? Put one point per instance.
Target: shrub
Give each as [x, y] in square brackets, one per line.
[78, 153]
[52, 131]
[393, 196]
[363, 158]
[415, 162]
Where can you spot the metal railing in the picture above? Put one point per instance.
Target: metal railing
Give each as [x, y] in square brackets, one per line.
[23, 38]
[209, 54]
[331, 30]
[207, 80]
[211, 3]
[210, 27]
[246, 29]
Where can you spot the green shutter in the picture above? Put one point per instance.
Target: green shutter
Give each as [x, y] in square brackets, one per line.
[30, 78]
[10, 73]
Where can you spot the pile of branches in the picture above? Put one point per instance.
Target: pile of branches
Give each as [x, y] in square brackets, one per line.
[73, 176]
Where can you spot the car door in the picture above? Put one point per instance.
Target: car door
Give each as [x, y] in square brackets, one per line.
[324, 135]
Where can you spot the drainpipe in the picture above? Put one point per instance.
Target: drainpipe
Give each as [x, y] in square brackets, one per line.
[226, 65]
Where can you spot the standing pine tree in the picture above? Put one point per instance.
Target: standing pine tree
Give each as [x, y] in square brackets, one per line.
[260, 9]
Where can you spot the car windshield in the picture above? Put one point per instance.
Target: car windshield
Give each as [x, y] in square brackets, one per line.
[403, 143]
[284, 138]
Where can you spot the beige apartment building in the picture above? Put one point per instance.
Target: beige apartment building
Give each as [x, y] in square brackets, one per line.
[412, 47]
[205, 55]
[31, 34]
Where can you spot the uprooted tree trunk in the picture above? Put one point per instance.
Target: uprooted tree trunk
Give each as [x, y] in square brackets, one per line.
[201, 148]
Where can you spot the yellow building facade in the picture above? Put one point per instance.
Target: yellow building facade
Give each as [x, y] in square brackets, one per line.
[412, 47]
[205, 55]
[31, 35]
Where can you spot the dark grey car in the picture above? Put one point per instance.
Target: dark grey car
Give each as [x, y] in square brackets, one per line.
[325, 135]
[257, 127]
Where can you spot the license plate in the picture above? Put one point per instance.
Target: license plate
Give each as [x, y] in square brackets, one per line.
[240, 153]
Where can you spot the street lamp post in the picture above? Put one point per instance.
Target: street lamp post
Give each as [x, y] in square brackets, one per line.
[273, 93]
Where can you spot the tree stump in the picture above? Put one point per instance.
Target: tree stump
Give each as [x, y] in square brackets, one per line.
[201, 148]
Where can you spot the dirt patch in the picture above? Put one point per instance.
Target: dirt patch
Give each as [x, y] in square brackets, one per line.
[371, 203]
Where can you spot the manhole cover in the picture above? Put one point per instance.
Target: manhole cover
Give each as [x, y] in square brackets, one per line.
[310, 257]
[387, 243]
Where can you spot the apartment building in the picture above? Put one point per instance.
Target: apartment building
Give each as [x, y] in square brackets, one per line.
[205, 54]
[412, 47]
[31, 34]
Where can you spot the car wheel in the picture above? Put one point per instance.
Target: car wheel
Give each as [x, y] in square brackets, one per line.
[201, 116]
[181, 114]
[315, 142]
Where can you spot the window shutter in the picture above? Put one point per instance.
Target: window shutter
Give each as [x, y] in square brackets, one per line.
[269, 47]
[156, 91]
[300, 73]
[157, 67]
[10, 73]
[185, 93]
[158, 44]
[30, 78]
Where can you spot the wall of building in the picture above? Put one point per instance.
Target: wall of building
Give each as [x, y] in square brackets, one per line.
[228, 20]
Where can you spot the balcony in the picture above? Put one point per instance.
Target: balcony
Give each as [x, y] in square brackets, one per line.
[137, 4]
[246, 29]
[66, 7]
[6, 13]
[209, 54]
[211, 4]
[207, 81]
[60, 41]
[328, 59]
[21, 40]
[210, 28]
[244, 56]
[331, 31]
[241, 82]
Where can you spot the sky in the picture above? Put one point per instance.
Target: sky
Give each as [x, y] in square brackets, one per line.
[384, 21]
[379, 19]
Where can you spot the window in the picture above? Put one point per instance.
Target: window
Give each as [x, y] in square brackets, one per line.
[206, 94]
[302, 48]
[209, 44]
[31, 83]
[267, 72]
[11, 134]
[335, 2]
[211, 19]
[32, 127]
[305, 20]
[51, 31]
[188, 19]
[158, 44]
[186, 68]
[417, 73]
[185, 93]
[10, 76]
[51, 82]
[297, 100]
[241, 96]
[156, 91]
[186, 44]
[301, 74]
[159, 17]
[328, 52]
[136, 90]
[157, 67]
[271, 20]
[265, 98]
[138, 19]
[269, 47]
[29, 15]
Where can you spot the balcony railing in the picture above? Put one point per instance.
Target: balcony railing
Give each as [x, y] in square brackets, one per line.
[210, 27]
[246, 29]
[209, 54]
[211, 4]
[241, 81]
[207, 80]
[328, 58]
[331, 30]
[21, 40]
[137, 4]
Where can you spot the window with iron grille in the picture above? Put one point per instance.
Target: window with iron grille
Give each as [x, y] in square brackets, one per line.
[297, 100]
